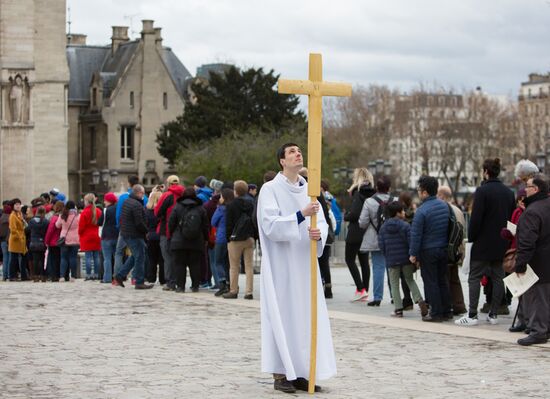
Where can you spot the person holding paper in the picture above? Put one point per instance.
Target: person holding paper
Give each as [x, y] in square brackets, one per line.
[533, 248]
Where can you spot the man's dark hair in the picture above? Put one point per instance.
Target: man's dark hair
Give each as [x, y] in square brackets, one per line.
[189, 193]
[428, 184]
[6, 202]
[46, 197]
[324, 185]
[394, 208]
[281, 152]
[133, 180]
[383, 184]
[228, 195]
[541, 182]
[492, 166]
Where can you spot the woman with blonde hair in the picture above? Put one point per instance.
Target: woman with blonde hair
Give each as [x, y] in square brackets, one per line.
[154, 255]
[88, 233]
[361, 188]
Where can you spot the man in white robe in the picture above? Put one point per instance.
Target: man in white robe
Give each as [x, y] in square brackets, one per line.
[284, 211]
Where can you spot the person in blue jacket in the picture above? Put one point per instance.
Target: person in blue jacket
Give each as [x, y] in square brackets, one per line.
[393, 240]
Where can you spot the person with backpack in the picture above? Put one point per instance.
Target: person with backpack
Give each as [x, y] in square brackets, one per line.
[163, 210]
[445, 193]
[109, 235]
[361, 189]
[188, 226]
[38, 226]
[393, 239]
[240, 236]
[428, 247]
[373, 216]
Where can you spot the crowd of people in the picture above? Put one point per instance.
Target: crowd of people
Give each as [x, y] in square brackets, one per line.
[156, 238]
[212, 230]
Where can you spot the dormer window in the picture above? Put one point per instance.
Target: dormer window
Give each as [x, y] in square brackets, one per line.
[94, 97]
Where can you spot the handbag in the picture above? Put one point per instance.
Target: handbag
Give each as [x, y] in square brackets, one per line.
[509, 261]
[61, 240]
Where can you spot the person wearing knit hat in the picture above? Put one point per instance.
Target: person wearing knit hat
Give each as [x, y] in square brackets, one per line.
[216, 185]
[110, 197]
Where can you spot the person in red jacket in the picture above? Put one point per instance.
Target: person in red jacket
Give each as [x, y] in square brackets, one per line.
[163, 209]
[88, 232]
[54, 252]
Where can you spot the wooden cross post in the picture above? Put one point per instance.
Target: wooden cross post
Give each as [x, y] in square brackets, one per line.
[315, 89]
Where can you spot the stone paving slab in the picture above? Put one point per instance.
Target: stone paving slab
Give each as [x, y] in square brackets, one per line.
[89, 340]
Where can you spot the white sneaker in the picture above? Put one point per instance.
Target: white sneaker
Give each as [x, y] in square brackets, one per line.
[360, 295]
[466, 321]
[492, 319]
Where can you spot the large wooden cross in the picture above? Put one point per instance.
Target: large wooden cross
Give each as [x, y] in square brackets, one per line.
[315, 89]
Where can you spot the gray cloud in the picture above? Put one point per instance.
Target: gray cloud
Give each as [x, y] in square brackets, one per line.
[466, 43]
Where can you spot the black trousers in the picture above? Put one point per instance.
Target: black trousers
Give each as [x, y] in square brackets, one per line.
[181, 260]
[54, 265]
[536, 308]
[38, 263]
[324, 266]
[352, 251]
[493, 270]
[156, 262]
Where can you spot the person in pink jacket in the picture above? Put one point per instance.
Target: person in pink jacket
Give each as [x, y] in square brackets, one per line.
[88, 232]
[68, 222]
[52, 235]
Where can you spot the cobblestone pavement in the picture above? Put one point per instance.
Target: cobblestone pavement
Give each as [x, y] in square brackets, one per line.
[89, 340]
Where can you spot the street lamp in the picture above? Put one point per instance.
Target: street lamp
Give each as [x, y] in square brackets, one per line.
[105, 174]
[114, 177]
[372, 167]
[387, 168]
[95, 177]
[541, 160]
[379, 166]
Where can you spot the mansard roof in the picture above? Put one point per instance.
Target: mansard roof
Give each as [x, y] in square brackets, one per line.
[86, 60]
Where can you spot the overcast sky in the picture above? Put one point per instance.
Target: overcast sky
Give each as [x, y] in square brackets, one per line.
[459, 44]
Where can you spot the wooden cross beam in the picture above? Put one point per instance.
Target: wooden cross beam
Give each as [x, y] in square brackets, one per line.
[315, 89]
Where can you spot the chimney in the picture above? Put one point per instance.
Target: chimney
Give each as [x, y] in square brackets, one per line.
[158, 38]
[120, 35]
[76, 39]
[147, 27]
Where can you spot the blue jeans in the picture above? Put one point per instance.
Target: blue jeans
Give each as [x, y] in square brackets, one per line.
[435, 270]
[137, 246]
[69, 256]
[108, 247]
[213, 268]
[221, 261]
[6, 260]
[378, 273]
[88, 256]
[119, 254]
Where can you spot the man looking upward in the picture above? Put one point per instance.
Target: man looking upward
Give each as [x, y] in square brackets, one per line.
[284, 210]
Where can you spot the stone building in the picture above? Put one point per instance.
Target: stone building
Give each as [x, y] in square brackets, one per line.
[34, 81]
[119, 96]
[534, 115]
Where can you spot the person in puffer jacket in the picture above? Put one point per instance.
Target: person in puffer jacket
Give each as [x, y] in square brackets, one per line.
[393, 240]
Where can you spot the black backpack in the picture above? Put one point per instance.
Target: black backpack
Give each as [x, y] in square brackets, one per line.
[455, 235]
[381, 213]
[244, 228]
[190, 224]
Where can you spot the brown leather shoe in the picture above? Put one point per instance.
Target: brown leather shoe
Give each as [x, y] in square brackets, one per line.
[144, 286]
[302, 384]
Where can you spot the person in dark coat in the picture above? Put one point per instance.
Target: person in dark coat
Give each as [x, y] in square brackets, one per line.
[38, 226]
[133, 228]
[393, 240]
[361, 189]
[493, 207]
[154, 254]
[428, 246]
[533, 248]
[188, 226]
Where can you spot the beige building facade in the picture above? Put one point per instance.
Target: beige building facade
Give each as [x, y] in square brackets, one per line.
[34, 79]
[119, 97]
